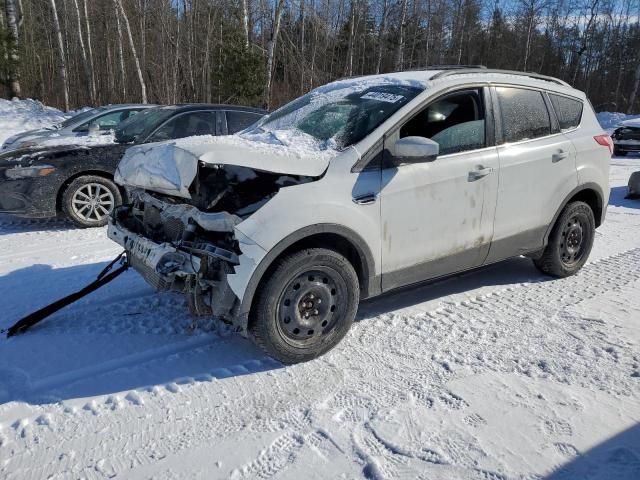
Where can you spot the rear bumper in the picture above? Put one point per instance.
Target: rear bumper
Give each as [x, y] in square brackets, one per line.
[627, 145]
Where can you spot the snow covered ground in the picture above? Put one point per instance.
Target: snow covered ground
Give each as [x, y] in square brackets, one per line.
[501, 373]
[16, 116]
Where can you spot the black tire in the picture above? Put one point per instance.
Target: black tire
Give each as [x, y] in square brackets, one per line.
[306, 305]
[93, 209]
[570, 241]
[619, 153]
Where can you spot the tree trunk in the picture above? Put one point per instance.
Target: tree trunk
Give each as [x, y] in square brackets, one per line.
[634, 90]
[400, 53]
[301, 47]
[63, 61]
[12, 23]
[245, 23]
[271, 52]
[123, 78]
[383, 26]
[83, 54]
[143, 86]
[90, 52]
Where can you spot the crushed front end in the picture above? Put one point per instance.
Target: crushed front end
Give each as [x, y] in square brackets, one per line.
[191, 246]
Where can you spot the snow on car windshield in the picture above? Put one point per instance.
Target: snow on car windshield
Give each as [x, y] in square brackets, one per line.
[342, 113]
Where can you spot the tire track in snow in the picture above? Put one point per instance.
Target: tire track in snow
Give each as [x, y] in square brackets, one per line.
[385, 361]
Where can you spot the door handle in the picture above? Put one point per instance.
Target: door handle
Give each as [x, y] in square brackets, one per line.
[366, 199]
[479, 172]
[556, 157]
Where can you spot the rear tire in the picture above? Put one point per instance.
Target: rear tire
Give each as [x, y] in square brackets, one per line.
[570, 241]
[306, 306]
[89, 200]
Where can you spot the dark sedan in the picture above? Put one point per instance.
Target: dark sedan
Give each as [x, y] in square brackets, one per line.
[626, 138]
[78, 180]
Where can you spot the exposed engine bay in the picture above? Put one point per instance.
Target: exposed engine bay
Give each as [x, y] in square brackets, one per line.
[190, 246]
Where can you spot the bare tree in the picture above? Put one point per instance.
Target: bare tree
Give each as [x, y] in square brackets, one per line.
[63, 60]
[90, 51]
[123, 78]
[14, 35]
[400, 51]
[271, 51]
[143, 86]
[83, 52]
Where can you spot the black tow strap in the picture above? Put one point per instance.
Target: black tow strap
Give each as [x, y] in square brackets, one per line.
[104, 277]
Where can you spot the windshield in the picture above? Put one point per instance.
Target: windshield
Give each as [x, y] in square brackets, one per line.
[79, 118]
[341, 116]
[133, 127]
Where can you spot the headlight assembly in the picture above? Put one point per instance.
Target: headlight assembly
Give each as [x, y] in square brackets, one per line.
[17, 173]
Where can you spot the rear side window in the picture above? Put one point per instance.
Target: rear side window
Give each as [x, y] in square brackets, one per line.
[568, 110]
[186, 125]
[523, 113]
[237, 121]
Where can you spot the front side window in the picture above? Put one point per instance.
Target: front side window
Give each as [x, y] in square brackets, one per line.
[568, 111]
[186, 125]
[341, 114]
[523, 113]
[142, 124]
[456, 122]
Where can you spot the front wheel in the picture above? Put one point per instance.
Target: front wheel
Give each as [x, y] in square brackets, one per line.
[88, 200]
[570, 241]
[306, 306]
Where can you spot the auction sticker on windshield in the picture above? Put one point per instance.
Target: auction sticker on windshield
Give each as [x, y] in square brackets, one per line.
[382, 97]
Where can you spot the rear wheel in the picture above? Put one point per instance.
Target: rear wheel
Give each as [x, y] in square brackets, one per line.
[306, 306]
[570, 241]
[88, 200]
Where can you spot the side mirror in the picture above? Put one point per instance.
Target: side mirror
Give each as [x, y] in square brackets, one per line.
[415, 150]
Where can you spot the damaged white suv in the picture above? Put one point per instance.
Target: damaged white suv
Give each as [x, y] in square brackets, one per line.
[360, 187]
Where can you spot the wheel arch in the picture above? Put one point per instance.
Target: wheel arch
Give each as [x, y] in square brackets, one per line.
[589, 193]
[330, 236]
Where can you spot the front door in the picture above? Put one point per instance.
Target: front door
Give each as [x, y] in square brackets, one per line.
[437, 216]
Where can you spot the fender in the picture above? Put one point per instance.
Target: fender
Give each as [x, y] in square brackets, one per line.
[580, 188]
[370, 282]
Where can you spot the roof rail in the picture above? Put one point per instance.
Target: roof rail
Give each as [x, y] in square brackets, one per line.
[451, 67]
[470, 71]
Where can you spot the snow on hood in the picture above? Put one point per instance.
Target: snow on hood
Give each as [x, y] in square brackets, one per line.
[171, 167]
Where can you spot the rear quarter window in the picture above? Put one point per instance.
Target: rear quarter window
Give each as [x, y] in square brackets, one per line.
[523, 113]
[568, 110]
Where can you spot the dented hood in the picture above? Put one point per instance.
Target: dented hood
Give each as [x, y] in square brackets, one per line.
[171, 167]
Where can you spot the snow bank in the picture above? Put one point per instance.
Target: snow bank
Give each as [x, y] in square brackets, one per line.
[21, 115]
[611, 120]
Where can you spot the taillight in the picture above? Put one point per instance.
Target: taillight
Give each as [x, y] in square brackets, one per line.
[605, 141]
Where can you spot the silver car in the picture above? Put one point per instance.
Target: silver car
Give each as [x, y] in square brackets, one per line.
[97, 121]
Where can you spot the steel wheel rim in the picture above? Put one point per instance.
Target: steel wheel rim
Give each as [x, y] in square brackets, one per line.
[92, 202]
[573, 245]
[309, 308]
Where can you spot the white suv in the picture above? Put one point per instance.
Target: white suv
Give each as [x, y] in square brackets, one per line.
[363, 186]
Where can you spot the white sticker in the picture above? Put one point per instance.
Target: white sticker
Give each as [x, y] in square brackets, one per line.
[382, 97]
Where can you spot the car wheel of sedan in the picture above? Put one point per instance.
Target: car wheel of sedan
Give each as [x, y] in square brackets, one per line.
[306, 306]
[89, 200]
[570, 241]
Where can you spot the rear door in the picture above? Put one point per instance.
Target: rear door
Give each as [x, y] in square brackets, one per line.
[537, 170]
